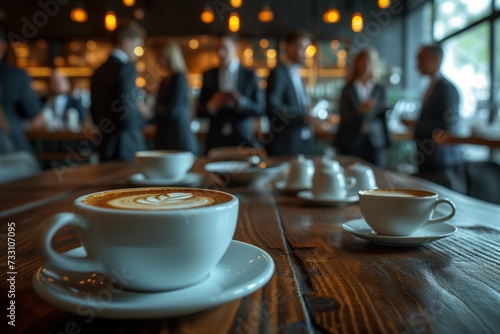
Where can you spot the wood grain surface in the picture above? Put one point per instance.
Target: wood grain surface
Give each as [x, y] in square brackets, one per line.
[326, 280]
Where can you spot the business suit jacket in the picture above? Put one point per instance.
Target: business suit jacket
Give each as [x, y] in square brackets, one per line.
[358, 133]
[115, 112]
[173, 116]
[19, 101]
[240, 118]
[286, 115]
[439, 112]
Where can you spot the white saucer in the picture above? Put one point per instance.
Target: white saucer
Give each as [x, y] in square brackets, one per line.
[189, 180]
[426, 234]
[284, 188]
[242, 270]
[308, 196]
[242, 172]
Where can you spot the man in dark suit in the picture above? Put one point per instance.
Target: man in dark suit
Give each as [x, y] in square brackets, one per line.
[118, 107]
[18, 100]
[287, 101]
[230, 98]
[60, 104]
[437, 163]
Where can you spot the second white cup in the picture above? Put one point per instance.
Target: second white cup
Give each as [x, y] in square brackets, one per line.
[168, 165]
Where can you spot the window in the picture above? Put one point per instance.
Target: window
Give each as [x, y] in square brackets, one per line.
[453, 15]
[467, 63]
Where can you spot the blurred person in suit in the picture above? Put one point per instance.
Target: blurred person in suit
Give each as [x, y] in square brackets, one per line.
[287, 101]
[19, 101]
[173, 112]
[117, 106]
[230, 98]
[438, 163]
[60, 105]
[362, 130]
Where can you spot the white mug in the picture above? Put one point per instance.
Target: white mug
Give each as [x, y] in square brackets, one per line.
[401, 211]
[164, 164]
[365, 178]
[330, 181]
[301, 173]
[157, 249]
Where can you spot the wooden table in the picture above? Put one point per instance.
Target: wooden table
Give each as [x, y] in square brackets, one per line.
[443, 137]
[326, 280]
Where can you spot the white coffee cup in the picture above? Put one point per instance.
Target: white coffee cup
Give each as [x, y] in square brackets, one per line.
[164, 164]
[401, 211]
[330, 181]
[301, 173]
[167, 238]
[365, 178]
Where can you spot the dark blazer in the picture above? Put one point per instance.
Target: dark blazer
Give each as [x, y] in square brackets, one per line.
[286, 115]
[19, 101]
[114, 110]
[240, 118]
[439, 112]
[173, 116]
[356, 132]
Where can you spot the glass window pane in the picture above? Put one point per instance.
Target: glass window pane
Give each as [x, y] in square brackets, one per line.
[453, 15]
[466, 62]
[496, 77]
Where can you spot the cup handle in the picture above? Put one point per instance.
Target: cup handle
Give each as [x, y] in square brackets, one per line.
[58, 260]
[350, 182]
[448, 216]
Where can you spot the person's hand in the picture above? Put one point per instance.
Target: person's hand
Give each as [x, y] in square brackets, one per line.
[217, 101]
[367, 106]
[233, 99]
[146, 110]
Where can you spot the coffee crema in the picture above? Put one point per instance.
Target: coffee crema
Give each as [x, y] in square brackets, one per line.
[156, 199]
[397, 193]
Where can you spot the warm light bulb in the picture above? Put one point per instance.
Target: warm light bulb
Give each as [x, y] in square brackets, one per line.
[331, 16]
[271, 53]
[110, 21]
[264, 43]
[129, 3]
[310, 51]
[266, 14]
[139, 51]
[234, 22]
[384, 3]
[236, 3]
[78, 14]
[140, 82]
[207, 16]
[194, 44]
[357, 22]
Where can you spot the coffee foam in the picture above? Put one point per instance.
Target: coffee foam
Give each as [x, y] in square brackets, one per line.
[156, 199]
[397, 193]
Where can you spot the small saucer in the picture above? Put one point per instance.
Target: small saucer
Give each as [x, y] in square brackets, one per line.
[242, 172]
[429, 233]
[189, 180]
[284, 188]
[242, 270]
[308, 196]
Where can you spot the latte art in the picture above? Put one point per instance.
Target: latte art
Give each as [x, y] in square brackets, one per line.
[149, 199]
[160, 201]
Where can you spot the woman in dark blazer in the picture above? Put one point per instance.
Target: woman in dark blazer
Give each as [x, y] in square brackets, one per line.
[172, 111]
[362, 130]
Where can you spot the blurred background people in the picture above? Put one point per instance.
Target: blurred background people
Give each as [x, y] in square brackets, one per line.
[439, 112]
[230, 98]
[118, 107]
[362, 130]
[287, 101]
[172, 112]
[61, 109]
[18, 100]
